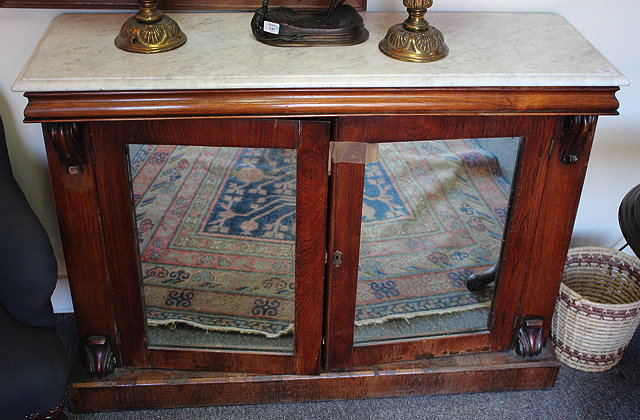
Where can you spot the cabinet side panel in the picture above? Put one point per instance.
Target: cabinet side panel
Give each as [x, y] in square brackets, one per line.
[78, 211]
[557, 211]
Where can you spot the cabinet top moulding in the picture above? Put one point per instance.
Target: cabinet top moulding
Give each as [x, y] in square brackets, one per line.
[77, 53]
[261, 103]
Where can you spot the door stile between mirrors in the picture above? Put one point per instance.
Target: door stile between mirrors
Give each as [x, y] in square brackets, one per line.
[537, 199]
[112, 174]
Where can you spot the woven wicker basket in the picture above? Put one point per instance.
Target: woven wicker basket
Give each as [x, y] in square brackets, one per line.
[598, 308]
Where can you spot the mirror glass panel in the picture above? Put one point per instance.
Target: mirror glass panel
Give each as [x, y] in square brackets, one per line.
[216, 230]
[433, 215]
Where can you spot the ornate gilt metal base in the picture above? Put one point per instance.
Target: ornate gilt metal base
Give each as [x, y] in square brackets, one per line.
[282, 26]
[150, 31]
[414, 39]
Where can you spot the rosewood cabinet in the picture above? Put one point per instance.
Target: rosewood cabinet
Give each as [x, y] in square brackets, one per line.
[318, 140]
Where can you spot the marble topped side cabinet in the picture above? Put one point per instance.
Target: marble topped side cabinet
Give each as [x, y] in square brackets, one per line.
[245, 223]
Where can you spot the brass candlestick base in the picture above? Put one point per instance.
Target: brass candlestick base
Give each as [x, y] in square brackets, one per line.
[414, 39]
[149, 31]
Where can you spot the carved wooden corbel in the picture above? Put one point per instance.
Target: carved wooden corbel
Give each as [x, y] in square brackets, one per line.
[68, 142]
[529, 337]
[100, 360]
[577, 129]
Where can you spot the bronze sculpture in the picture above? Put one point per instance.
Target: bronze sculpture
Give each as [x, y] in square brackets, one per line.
[339, 24]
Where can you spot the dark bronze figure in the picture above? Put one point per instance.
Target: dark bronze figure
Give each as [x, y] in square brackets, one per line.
[340, 24]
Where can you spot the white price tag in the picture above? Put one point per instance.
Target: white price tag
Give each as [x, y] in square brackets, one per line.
[271, 27]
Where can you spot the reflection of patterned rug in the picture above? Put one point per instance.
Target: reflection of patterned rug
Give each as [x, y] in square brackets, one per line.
[217, 251]
[433, 214]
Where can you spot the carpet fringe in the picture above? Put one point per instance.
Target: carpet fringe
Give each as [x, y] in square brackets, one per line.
[172, 323]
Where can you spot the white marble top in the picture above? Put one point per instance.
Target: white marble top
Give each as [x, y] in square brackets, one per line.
[77, 53]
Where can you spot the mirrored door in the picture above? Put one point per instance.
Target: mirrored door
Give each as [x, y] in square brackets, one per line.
[224, 268]
[419, 272]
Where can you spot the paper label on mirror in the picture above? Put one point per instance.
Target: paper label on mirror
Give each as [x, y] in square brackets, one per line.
[271, 27]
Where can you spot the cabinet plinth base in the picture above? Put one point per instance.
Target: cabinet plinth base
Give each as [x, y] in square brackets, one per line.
[154, 388]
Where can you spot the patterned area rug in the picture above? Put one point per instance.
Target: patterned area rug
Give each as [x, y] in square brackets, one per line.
[216, 231]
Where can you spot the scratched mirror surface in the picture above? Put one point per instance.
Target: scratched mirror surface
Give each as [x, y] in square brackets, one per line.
[216, 230]
[433, 215]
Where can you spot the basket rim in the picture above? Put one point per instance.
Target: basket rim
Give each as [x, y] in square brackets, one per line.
[580, 299]
[606, 250]
[632, 261]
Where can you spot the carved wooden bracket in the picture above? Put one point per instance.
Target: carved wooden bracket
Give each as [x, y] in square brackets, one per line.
[100, 360]
[67, 140]
[529, 337]
[577, 129]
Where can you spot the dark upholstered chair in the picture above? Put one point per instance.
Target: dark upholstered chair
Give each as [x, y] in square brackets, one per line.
[629, 218]
[33, 361]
